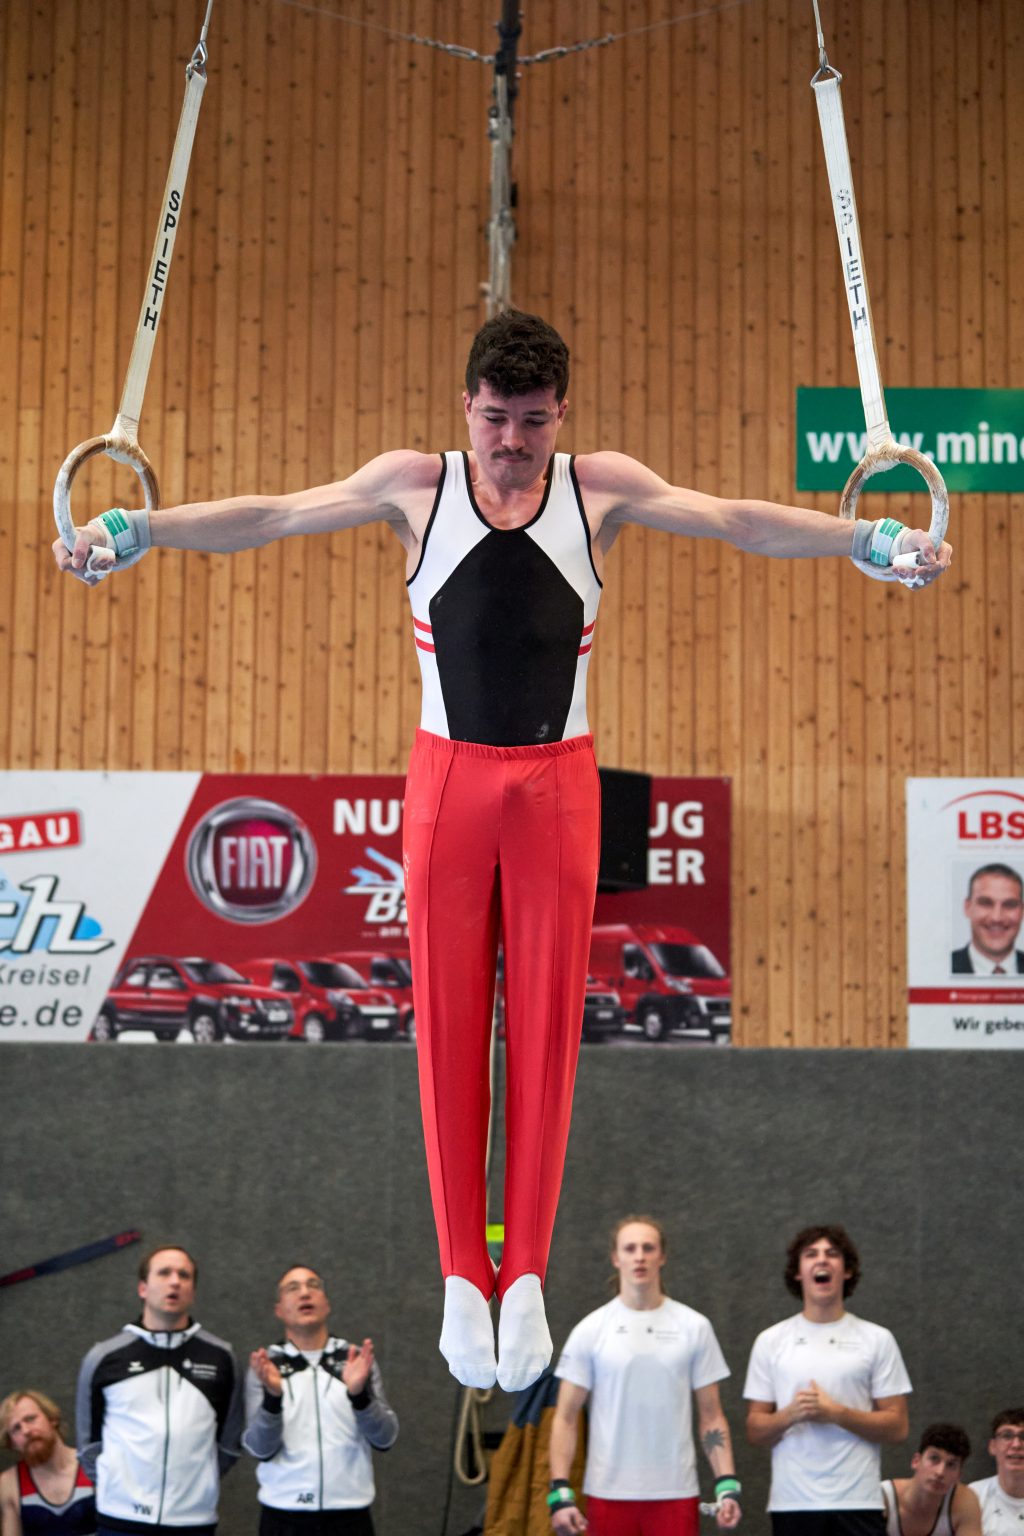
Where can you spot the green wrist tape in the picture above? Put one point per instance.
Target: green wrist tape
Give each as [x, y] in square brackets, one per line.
[127, 531]
[725, 1486]
[884, 536]
[561, 1498]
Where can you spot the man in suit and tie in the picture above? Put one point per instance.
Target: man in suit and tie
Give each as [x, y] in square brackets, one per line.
[994, 908]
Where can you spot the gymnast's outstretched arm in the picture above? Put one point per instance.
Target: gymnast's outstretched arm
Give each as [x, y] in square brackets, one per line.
[617, 490]
[396, 488]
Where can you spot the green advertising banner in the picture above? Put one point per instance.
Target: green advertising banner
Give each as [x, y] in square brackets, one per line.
[975, 436]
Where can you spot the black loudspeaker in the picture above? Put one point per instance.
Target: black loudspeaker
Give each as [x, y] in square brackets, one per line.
[625, 822]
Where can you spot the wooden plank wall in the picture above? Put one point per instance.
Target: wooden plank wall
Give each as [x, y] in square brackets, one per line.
[674, 222]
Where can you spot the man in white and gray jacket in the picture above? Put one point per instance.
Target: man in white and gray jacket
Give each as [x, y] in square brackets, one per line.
[159, 1411]
[315, 1407]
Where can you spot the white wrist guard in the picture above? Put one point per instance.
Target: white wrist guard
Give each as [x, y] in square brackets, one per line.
[879, 542]
[126, 533]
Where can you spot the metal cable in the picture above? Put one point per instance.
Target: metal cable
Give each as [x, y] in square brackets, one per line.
[561, 51]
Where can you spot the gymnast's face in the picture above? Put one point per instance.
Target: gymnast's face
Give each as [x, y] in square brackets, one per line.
[513, 436]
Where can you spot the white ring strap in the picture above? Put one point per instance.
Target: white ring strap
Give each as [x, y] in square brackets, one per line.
[844, 207]
[122, 441]
[883, 452]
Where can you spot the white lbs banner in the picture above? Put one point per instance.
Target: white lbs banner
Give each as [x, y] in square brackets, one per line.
[965, 882]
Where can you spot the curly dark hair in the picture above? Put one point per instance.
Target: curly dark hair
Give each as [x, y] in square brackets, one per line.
[946, 1437]
[516, 353]
[840, 1238]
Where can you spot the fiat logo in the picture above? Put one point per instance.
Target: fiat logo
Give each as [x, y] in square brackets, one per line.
[251, 861]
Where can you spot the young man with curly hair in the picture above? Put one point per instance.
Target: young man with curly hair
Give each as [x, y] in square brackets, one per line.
[826, 1390]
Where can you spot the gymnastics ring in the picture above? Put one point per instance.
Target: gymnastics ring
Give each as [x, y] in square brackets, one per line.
[117, 446]
[876, 462]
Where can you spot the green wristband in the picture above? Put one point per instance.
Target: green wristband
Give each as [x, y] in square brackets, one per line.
[561, 1498]
[728, 1488]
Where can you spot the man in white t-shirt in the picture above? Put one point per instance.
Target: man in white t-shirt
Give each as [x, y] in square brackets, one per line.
[1002, 1496]
[826, 1391]
[640, 1360]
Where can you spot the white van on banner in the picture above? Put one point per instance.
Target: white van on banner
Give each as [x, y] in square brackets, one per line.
[965, 904]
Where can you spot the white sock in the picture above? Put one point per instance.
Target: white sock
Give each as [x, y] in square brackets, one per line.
[524, 1343]
[467, 1334]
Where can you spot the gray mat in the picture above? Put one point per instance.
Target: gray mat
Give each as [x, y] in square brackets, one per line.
[260, 1156]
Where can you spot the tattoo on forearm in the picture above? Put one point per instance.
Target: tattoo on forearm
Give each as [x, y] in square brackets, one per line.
[713, 1440]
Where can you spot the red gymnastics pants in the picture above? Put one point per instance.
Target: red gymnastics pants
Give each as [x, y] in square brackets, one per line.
[501, 843]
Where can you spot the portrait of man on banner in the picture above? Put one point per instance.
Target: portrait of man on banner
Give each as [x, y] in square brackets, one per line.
[993, 908]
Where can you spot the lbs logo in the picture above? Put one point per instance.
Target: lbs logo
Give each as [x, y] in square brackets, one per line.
[998, 819]
[251, 861]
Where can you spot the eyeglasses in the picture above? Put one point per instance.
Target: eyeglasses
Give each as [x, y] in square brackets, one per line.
[294, 1286]
[1008, 1436]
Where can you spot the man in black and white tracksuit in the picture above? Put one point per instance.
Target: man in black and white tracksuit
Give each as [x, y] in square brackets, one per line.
[159, 1410]
[315, 1406]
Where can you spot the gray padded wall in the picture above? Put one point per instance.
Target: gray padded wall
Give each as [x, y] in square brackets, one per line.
[259, 1156]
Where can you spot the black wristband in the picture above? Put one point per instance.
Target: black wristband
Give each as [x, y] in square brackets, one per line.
[272, 1403]
[361, 1399]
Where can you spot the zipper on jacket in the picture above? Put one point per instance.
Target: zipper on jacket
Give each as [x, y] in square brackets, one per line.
[319, 1440]
[167, 1443]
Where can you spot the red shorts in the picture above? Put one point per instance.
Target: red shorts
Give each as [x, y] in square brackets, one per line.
[642, 1517]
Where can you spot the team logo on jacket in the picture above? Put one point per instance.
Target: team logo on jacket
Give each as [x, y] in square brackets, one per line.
[200, 1368]
[251, 861]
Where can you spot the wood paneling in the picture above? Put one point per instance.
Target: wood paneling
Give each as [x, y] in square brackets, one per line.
[674, 222]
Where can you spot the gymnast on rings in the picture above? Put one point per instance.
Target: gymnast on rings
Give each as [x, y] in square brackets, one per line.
[505, 552]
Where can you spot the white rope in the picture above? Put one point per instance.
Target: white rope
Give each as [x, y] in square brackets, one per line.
[561, 51]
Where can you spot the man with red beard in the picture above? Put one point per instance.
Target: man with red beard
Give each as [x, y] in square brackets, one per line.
[826, 1390]
[47, 1493]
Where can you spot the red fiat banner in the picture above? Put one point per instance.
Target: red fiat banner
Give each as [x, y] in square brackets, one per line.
[271, 906]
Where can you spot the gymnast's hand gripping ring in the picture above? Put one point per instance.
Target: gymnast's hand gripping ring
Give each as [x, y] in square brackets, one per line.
[876, 462]
[117, 446]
